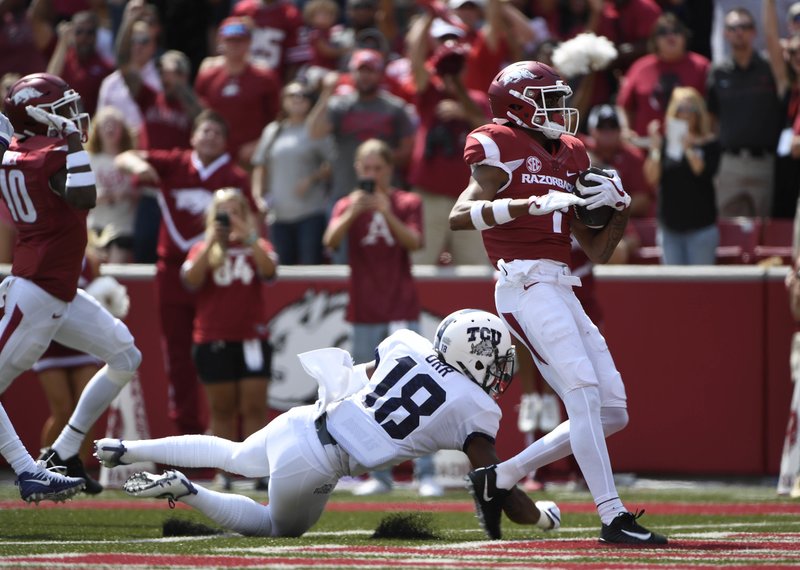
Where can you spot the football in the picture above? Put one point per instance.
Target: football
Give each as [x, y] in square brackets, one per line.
[596, 219]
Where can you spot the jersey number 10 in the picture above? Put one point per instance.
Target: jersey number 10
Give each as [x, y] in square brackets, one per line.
[15, 193]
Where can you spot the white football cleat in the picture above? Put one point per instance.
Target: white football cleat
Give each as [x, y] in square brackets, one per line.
[550, 518]
[109, 451]
[171, 485]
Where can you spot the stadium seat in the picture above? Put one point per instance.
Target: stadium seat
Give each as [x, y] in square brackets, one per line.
[738, 238]
[776, 240]
[649, 252]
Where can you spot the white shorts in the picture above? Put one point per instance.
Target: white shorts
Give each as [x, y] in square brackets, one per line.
[32, 318]
[536, 301]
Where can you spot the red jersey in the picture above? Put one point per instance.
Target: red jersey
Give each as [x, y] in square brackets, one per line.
[436, 164]
[275, 35]
[248, 101]
[187, 188]
[85, 78]
[648, 85]
[166, 123]
[230, 304]
[51, 234]
[381, 285]
[534, 171]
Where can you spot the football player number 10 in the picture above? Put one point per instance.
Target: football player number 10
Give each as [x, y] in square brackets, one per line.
[15, 193]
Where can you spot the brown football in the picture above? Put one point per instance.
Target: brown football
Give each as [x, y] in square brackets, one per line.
[596, 219]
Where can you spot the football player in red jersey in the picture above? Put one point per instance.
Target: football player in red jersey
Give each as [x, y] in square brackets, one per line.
[48, 186]
[525, 165]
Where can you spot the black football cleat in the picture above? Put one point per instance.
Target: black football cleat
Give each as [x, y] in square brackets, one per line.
[71, 467]
[625, 530]
[489, 499]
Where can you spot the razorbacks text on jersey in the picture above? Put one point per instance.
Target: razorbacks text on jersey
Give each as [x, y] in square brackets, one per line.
[413, 405]
[533, 170]
[51, 234]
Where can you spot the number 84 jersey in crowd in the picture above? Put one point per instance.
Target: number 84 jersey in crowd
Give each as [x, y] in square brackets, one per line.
[51, 234]
[413, 405]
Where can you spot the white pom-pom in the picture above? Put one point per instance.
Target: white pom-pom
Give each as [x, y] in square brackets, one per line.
[112, 294]
[584, 54]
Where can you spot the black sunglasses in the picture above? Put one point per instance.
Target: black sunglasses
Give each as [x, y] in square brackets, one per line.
[739, 27]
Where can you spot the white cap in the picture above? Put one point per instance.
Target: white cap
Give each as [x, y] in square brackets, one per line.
[441, 28]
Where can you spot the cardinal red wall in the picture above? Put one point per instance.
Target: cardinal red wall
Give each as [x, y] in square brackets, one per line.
[704, 355]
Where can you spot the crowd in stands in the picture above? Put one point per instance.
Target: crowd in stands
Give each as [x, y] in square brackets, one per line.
[697, 106]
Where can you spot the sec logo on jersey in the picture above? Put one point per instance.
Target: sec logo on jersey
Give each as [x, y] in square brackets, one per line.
[533, 164]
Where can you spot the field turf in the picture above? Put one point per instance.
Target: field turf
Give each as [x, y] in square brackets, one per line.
[710, 525]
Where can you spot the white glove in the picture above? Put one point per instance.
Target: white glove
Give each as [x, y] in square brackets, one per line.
[6, 130]
[541, 205]
[59, 126]
[608, 193]
[111, 294]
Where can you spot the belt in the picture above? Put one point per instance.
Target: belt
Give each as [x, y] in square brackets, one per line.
[321, 425]
[756, 152]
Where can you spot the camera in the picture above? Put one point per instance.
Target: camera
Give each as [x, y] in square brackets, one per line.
[223, 219]
[367, 185]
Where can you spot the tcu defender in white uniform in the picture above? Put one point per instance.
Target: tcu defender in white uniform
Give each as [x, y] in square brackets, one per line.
[524, 168]
[415, 399]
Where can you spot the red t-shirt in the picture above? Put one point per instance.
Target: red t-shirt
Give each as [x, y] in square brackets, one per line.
[186, 192]
[166, 123]
[248, 101]
[230, 304]
[85, 78]
[436, 162]
[381, 285]
[482, 63]
[275, 37]
[648, 85]
[51, 234]
[535, 171]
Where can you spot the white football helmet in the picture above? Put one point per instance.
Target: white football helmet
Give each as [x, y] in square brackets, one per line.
[478, 344]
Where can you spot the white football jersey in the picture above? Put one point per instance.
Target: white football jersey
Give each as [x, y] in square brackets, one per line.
[413, 405]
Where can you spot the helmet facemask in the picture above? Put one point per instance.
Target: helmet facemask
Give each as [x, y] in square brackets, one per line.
[551, 116]
[70, 106]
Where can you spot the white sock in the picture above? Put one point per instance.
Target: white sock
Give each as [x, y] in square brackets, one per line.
[182, 451]
[609, 508]
[235, 512]
[94, 400]
[11, 446]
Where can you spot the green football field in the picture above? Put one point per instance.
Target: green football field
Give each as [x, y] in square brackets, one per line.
[709, 525]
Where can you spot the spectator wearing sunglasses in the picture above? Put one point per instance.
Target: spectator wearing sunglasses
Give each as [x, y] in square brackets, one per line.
[648, 84]
[743, 99]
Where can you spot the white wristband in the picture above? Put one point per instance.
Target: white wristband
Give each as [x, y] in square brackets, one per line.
[476, 213]
[79, 179]
[76, 159]
[502, 215]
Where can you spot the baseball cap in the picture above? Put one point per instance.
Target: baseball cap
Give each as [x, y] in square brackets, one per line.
[234, 28]
[604, 116]
[455, 4]
[366, 57]
[794, 11]
[441, 29]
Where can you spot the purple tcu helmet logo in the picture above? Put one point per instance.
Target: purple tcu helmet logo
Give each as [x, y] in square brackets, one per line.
[487, 339]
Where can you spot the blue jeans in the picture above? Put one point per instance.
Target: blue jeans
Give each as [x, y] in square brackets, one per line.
[693, 247]
[366, 337]
[299, 242]
[145, 230]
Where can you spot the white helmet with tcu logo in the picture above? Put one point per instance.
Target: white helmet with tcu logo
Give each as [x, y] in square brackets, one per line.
[477, 344]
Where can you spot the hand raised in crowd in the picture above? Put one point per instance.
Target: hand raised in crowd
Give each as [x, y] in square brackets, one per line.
[450, 110]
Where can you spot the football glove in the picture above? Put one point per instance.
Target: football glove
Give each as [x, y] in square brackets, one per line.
[541, 205]
[608, 192]
[6, 131]
[111, 294]
[58, 126]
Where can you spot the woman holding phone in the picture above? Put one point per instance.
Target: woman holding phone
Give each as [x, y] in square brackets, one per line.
[683, 166]
[231, 349]
[383, 225]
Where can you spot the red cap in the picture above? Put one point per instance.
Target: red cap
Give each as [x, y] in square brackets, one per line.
[369, 57]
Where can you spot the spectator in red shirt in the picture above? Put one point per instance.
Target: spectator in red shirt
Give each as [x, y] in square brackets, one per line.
[76, 59]
[231, 351]
[607, 149]
[186, 179]
[649, 82]
[320, 16]
[245, 94]
[276, 24]
[448, 111]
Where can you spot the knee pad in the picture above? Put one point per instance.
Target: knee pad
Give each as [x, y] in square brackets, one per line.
[613, 419]
[123, 365]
